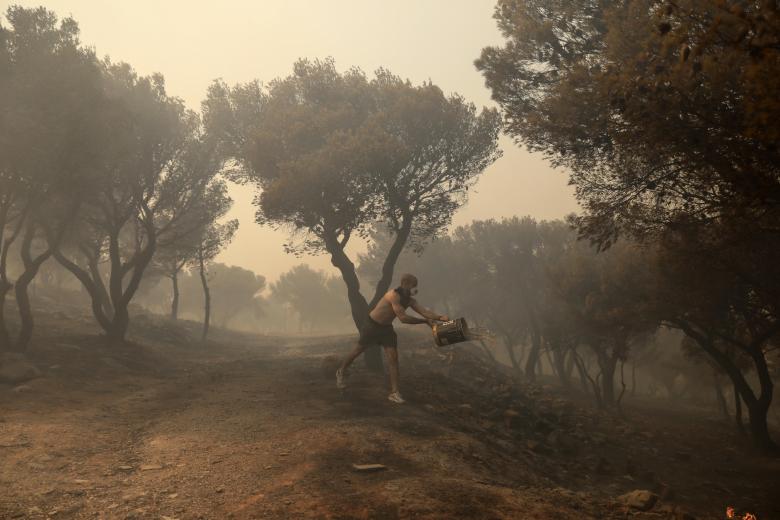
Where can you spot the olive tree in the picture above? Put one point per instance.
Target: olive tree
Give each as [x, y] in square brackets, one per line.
[334, 153]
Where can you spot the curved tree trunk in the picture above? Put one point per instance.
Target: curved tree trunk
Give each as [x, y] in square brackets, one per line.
[357, 303]
[758, 406]
[95, 294]
[31, 267]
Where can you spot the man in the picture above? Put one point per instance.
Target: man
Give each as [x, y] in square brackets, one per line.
[378, 330]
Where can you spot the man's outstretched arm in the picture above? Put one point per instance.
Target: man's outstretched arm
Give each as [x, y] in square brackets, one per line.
[400, 312]
[422, 311]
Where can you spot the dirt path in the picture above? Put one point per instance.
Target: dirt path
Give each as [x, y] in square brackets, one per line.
[254, 431]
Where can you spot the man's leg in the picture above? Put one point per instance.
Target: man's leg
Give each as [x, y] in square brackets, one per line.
[359, 349]
[391, 355]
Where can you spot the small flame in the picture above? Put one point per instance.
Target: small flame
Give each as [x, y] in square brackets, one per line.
[747, 516]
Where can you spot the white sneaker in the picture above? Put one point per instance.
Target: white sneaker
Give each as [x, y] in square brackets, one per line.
[395, 397]
[341, 382]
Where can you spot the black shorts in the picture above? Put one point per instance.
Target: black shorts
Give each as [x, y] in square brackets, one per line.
[373, 333]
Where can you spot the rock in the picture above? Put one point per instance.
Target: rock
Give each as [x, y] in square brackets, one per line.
[641, 499]
[509, 416]
[466, 408]
[21, 389]
[220, 489]
[150, 467]
[125, 468]
[367, 468]
[16, 369]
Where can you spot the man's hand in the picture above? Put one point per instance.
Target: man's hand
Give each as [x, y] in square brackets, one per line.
[444, 317]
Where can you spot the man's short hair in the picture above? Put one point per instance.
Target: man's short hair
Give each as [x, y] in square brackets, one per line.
[408, 279]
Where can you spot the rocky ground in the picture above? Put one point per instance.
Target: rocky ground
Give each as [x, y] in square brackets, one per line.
[253, 427]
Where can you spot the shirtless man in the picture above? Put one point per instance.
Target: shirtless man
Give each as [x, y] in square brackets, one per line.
[378, 330]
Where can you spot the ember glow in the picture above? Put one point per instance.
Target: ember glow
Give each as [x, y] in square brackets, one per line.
[747, 516]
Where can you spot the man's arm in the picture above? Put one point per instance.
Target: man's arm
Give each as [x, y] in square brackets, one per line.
[400, 312]
[422, 311]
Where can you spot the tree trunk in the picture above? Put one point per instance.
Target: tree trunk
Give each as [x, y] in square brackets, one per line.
[175, 302]
[97, 279]
[720, 399]
[607, 364]
[388, 267]
[536, 347]
[206, 297]
[510, 350]
[96, 295]
[559, 361]
[758, 407]
[5, 339]
[6, 240]
[738, 411]
[357, 303]
[31, 267]
[633, 378]
[119, 324]
[581, 371]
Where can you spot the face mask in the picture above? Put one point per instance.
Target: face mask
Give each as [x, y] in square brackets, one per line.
[413, 292]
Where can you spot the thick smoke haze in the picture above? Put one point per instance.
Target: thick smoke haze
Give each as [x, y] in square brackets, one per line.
[192, 43]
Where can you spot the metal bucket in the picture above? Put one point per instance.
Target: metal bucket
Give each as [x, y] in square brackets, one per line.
[449, 332]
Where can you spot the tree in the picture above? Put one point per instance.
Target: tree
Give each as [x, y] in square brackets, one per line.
[198, 228]
[608, 294]
[146, 190]
[665, 112]
[212, 242]
[49, 137]
[630, 96]
[726, 317]
[231, 294]
[334, 153]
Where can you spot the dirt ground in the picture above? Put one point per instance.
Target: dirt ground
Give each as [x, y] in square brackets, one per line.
[253, 427]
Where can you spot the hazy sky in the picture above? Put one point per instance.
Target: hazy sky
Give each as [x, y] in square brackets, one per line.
[195, 41]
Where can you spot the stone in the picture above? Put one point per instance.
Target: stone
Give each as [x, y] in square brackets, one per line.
[21, 389]
[150, 467]
[641, 499]
[15, 369]
[509, 416]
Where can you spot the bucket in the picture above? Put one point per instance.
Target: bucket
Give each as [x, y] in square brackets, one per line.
[449, 332]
